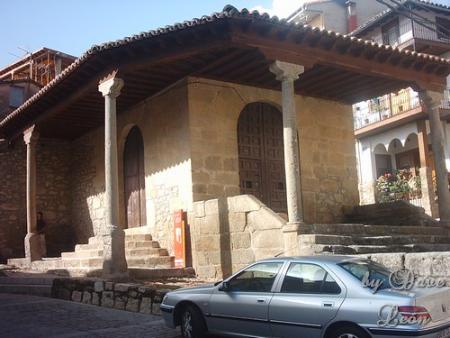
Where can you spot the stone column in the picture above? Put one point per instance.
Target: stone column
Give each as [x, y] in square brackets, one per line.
[32, 239]
[431, 104]
[287, 73]
[114, 264]
[426, 180]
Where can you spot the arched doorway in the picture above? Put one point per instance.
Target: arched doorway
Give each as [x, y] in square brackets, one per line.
[134, 179]
[261, 155]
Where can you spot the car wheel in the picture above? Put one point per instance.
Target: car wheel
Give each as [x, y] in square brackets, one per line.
[192, 323]
[349, 332]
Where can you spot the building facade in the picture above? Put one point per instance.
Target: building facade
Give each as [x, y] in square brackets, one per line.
[229, 118]
[392, 132]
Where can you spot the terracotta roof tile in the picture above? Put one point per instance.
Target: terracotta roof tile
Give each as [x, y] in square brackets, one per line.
[228, 12]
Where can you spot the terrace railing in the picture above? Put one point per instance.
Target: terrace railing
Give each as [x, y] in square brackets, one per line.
[384, 107]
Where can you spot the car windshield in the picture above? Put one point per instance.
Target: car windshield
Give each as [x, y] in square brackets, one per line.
[370, 274]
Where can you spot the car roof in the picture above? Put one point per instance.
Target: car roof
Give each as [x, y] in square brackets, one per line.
[334, 259]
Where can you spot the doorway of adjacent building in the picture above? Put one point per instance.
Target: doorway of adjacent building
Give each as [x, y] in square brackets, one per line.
[134, 179]
[261, 155]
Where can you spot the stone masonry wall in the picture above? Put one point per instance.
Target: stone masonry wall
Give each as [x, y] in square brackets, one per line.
[327, 151]
[163, 122]
[53, 196]
[227, 234]
[12, 200]
[424, 264]
[121, 296]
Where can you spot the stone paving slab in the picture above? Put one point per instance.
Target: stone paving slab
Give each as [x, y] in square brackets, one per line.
[36, 317]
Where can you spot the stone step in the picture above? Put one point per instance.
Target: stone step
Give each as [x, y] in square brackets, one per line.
[371, 230]
[142, 244]
[82, 254]
[151, 262]
[146, 252]
[372, 240]
[96, 262]
[128, 238]
[29, 289]
[88, 247]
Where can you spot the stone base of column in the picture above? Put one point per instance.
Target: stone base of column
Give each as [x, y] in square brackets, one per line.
[33, 247]
[428, 195]
[114, 260]
[290, 238]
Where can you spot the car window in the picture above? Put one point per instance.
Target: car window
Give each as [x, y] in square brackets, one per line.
[366, 269]
[257, 278]
[308, 278]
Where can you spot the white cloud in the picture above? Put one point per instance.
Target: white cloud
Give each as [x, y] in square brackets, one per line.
[280, 8]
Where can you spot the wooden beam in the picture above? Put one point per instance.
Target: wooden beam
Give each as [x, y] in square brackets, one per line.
[305, 55]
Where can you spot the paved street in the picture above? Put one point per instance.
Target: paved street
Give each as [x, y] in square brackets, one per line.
[29, 316]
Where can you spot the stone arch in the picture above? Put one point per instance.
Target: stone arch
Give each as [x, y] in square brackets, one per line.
[394, 145]
[261, 154]
[380, 148]
[134, 179]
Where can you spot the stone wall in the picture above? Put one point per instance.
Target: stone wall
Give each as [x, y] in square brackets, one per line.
[327, 153]
[163, 122]
[53, 196]
[12, 200]
[424, 264]
[227, 234]
[87, 186]
[121, 296]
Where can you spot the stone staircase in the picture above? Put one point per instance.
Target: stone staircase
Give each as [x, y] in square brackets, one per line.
[364, 239]
[142, 252]
[393, 213]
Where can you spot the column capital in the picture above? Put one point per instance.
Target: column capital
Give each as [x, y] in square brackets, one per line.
[429, 100]
[286, 71]
[31, 135]
[111, 87]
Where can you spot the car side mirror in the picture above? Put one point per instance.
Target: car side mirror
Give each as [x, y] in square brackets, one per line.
[224, 287]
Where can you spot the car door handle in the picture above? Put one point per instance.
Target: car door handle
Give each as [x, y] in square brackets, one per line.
[261, 300]
[327, 305]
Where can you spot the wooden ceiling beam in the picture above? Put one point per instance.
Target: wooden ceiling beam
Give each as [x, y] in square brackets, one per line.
[303, 54]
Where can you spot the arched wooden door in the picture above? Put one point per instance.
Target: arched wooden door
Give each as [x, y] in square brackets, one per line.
[134, 179]
[261, 155]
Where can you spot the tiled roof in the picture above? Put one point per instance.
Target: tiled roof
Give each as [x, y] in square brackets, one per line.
[373, 20]
[227, 13]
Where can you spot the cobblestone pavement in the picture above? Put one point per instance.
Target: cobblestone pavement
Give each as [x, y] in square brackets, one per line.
[28, 316]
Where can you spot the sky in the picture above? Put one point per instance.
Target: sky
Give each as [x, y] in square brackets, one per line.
[74, 26]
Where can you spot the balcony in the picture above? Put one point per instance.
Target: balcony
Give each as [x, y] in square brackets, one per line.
[410, 35]
[385, 107]
[392, 110]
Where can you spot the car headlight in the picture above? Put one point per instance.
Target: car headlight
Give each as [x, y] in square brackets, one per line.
[165, 298]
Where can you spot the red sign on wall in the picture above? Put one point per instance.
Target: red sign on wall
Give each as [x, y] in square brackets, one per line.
[179, 239]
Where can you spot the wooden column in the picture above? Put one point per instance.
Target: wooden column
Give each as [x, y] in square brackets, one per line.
[32, 238]
[426, 178]
[431, 103]
[114, 264]
[287, 73]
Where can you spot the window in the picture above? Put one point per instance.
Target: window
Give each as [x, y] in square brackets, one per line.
[308, 278]
[391, 32]
[257, 278]
[365, 269]
[16, 96]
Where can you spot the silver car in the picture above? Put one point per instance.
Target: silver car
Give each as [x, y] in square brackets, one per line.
[309, 297]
